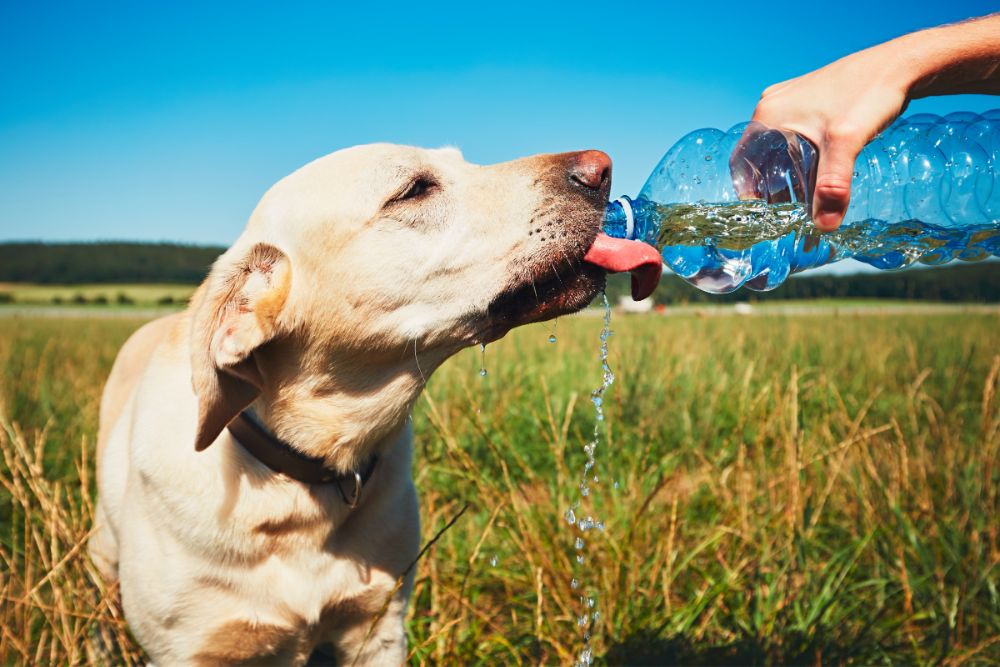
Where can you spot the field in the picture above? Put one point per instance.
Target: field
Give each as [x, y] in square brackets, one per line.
[125, 294]
[781, 489]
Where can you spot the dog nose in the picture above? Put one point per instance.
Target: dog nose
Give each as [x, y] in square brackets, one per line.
[591, 169]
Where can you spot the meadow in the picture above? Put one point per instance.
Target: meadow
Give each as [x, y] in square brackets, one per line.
[122, 294]
[782, 489]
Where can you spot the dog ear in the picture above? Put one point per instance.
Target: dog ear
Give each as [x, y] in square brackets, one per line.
[236, 312]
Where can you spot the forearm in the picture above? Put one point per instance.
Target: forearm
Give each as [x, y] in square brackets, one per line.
[951, 59]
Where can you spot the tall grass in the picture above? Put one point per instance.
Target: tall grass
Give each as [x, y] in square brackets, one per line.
[775, 490]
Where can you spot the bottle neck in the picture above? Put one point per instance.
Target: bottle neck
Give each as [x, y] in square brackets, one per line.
[619, 219]
[632, 219]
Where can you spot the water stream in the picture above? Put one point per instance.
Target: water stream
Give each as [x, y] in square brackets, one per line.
[588, 615]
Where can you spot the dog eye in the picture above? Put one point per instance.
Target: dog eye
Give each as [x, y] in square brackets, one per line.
[418, 188]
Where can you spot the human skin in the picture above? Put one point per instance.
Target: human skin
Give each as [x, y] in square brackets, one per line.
[843, 105]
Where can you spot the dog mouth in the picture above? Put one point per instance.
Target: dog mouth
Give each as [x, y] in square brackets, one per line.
[556, 292]
[568, 288]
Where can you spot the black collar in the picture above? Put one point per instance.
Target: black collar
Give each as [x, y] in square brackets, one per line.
[282, 458]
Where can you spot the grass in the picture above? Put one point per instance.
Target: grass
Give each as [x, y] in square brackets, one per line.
[775, 490]
[125, 294]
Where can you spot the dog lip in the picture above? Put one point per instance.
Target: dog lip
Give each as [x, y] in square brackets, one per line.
[555, 293]
[543, 299]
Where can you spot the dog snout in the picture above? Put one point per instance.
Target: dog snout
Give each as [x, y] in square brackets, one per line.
[591, 170]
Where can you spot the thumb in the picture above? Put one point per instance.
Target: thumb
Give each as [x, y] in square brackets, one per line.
[833, 184]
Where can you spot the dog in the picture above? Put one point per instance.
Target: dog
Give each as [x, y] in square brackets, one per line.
[254, 451]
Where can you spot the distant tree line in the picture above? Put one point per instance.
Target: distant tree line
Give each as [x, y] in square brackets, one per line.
[78, 263]
[81, 263]
[961, 282]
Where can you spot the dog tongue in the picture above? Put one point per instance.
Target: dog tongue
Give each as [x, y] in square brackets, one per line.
[638, 258]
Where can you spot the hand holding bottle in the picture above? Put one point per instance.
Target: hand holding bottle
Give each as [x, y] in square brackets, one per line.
[842, 106]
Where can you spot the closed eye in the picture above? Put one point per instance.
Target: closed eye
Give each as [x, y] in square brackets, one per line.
[420, 187]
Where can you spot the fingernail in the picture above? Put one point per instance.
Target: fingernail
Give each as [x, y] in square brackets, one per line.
[827, 220]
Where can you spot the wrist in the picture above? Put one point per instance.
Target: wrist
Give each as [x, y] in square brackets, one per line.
[914, 61]
[949, 59]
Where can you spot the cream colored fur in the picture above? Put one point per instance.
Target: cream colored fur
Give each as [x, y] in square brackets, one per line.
[327, 315]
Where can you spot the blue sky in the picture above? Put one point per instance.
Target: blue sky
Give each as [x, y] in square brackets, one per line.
[167, 120]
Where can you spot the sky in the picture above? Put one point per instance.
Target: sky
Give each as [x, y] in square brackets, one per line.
[145, 120]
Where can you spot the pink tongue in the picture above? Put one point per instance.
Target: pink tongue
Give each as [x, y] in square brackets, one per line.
[638, 258]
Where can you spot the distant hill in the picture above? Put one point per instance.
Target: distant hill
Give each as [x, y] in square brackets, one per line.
[97, 263]
[119, 262]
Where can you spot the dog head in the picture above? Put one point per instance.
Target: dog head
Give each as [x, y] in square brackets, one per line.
[360, 273]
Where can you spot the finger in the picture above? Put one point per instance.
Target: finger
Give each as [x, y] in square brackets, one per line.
[777, 87]
[832, 194]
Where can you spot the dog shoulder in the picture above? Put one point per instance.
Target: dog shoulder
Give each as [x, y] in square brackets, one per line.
[130, 364]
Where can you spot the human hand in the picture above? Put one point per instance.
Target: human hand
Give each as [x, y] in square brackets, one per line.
[839, 108]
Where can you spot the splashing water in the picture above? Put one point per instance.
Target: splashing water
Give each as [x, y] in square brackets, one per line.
[589, 615]
[482, 360]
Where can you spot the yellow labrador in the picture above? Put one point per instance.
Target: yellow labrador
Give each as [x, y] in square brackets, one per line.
[256, 502]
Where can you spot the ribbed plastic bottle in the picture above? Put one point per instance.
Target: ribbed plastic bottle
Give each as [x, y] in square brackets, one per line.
[732, 208]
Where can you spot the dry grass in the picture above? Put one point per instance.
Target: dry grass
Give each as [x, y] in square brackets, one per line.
[55, 608]
[789, 491]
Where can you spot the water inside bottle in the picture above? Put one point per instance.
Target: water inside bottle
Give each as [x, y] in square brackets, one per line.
[718, 247]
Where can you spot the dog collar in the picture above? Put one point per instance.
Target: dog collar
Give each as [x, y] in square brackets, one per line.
[282, 458]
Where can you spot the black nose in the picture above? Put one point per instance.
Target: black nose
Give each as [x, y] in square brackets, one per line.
[591, 169]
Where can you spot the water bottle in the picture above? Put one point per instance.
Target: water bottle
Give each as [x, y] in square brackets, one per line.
[732, 208]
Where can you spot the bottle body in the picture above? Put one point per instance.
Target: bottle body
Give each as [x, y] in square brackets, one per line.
[732, 208]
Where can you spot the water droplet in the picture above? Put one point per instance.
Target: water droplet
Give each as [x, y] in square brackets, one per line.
[552, 338]
[580, 559]
[574, 584]
[493, 560]
[570, 516]
[482, 372]
[616, 484]
[582, 621]
[708, 158]
[591, 602]
[578, 544]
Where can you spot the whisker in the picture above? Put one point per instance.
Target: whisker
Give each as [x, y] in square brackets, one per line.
[416, 358]
[556, 271]
[535, 290]
[572, 267]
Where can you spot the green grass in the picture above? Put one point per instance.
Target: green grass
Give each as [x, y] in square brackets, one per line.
[790, 490]
[128, 293]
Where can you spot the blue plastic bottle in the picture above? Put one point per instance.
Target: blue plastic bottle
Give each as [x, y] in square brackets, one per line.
[732, 208]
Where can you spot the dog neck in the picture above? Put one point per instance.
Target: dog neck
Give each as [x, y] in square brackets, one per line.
[284, 459]
[343, 409]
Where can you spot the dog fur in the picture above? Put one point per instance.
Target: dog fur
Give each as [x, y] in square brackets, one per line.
[355, 278]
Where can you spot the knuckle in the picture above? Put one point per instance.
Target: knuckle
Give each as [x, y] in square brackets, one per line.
[833, 187]
[766, 108]
[842, 132]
